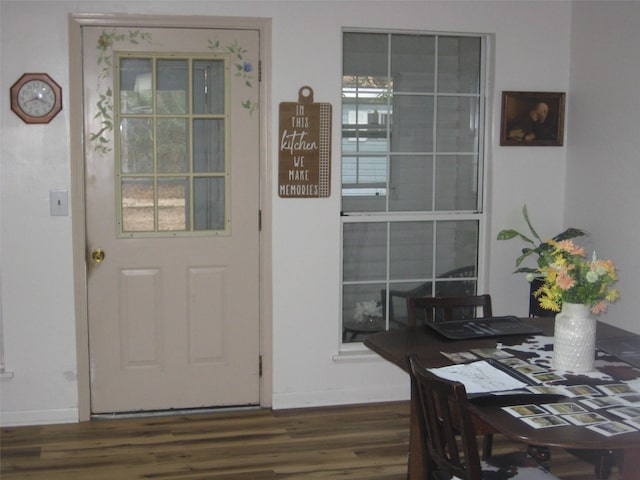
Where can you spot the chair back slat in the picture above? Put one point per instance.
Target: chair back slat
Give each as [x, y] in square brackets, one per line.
[438, 309]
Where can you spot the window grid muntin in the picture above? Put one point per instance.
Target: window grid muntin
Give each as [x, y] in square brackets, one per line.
[190, 116]
[434, 215]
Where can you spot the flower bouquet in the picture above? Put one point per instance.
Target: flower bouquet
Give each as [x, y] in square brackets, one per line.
[570, 277]
[565, 281]
[535, 248]
[576, 287]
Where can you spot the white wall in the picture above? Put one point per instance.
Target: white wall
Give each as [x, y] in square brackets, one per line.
[531, 53]
[604, 144]
[37, 288]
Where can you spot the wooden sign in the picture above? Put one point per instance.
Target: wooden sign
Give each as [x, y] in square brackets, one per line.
[305, 147]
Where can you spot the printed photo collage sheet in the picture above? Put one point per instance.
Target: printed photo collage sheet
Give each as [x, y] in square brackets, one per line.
[585, 405]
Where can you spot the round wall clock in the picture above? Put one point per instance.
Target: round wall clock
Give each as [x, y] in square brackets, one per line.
[36, 98]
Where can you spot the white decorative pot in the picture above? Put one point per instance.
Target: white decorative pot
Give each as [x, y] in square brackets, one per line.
[574, 344]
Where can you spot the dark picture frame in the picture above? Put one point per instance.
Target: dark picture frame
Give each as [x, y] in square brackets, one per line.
[532, 119]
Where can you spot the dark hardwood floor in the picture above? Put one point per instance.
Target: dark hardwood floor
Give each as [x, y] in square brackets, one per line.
[367, 442]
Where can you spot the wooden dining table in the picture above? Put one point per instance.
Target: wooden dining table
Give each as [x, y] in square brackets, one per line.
[395, 345]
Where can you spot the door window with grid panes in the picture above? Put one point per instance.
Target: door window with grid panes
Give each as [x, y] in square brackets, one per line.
[172, 162]
[412, 127]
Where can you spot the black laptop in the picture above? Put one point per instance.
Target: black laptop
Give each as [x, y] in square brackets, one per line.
[484, 327]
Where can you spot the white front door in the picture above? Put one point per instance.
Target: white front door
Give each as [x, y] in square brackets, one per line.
[172, 205]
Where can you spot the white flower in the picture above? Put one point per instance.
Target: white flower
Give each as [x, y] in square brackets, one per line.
[592, 277]
[367, 309]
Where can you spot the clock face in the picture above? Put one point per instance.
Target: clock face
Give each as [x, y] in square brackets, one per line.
[36, 98]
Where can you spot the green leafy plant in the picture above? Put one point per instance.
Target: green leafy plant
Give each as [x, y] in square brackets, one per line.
[535, 245]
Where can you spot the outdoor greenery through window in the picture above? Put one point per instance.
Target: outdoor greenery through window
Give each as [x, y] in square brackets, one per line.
[412, 127]
[171, 138]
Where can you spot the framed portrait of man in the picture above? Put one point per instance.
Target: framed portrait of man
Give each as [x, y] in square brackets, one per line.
[532, 119]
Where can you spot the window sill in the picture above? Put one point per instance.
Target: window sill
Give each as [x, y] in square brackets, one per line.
[355, 354]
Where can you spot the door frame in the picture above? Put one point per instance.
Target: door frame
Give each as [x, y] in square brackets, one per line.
[78, 196]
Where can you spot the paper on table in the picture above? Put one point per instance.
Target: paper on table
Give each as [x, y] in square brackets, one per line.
[479, 377]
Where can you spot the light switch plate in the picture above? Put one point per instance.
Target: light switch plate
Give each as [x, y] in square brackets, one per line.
[59, 202]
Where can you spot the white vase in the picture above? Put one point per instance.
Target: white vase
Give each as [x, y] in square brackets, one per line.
[574, 342]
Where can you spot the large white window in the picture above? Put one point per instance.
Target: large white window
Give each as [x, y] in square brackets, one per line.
[412, 129]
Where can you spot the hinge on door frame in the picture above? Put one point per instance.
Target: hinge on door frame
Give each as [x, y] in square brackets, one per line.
[260, 365]
[259, 220]
[259, 70]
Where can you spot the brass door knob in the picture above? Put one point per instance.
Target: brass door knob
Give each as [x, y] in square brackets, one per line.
[98, 255]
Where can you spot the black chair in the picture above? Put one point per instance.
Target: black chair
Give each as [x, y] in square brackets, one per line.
[446, 429]
[445, 309]
[443, 288]
[535, 310]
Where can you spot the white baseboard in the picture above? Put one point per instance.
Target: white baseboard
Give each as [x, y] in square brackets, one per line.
[38, 417]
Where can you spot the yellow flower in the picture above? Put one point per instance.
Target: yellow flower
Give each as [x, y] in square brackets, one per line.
[612, 295]
[559, 261]
[548, 304]
[550, 274]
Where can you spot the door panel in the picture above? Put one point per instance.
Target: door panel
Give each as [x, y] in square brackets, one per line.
[173, 307]
[140, 326]
[206, 317]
